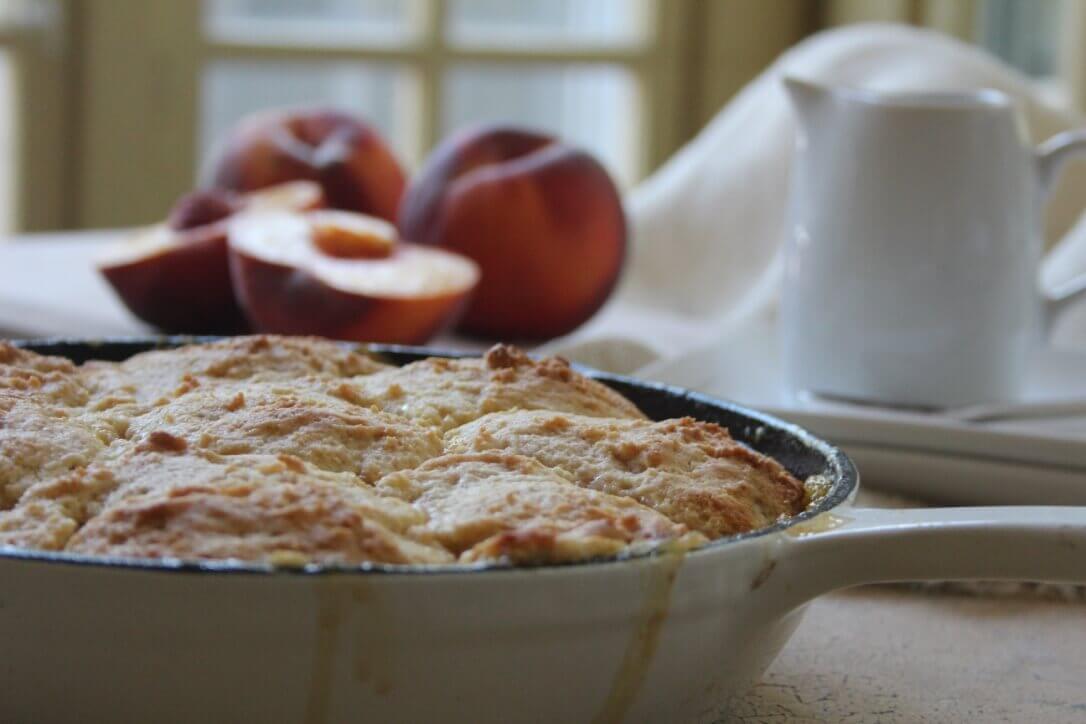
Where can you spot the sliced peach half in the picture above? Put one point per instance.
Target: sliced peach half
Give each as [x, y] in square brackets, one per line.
[344, 275]
[176, 275]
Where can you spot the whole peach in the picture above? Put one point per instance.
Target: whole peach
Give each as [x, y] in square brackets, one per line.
[338, 150]
[543, 221]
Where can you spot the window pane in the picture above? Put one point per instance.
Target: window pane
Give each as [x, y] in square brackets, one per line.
[7, 144]
[594, 107]
[312, 22]
[1024, 34]
[384, 95]
[546, 22]
[17, 14]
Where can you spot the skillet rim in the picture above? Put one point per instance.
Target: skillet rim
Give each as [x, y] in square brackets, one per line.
[839, 468]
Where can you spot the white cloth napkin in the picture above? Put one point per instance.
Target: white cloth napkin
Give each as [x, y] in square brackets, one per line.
[707, 227]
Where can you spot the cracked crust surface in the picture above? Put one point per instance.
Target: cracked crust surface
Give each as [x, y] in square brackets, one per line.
[295, 450]
[494, 506]
[40, 441]
[446, 393]
[691, 471]
[160, 375]
[276, 417]
[261, 508]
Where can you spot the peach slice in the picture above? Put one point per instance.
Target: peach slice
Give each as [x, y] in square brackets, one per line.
[344, 276]
[176, 275]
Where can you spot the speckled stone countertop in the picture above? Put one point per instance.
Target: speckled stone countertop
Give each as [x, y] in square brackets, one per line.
[881, 654]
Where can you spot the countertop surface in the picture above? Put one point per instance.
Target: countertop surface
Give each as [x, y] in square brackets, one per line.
[889, 654]
[877, 654]
[48, 286]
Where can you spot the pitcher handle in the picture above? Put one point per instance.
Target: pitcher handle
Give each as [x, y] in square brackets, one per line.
[1052, 155]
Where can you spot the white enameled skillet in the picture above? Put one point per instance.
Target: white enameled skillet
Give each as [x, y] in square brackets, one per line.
[660, 637]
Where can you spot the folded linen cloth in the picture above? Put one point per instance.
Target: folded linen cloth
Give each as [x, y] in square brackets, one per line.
[707, 227]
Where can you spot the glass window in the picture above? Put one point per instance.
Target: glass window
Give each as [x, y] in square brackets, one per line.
[8, 162]
[383, 94]
[268, 53]
[313, 22]
[1024, 34]
[546, 22]
[592, 106]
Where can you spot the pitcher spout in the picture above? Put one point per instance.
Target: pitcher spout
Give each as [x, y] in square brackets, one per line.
[807, 98]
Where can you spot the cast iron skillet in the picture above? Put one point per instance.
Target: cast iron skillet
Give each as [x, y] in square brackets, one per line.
[655, 637]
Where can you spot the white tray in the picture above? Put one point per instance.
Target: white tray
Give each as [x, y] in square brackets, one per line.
[1037, 461]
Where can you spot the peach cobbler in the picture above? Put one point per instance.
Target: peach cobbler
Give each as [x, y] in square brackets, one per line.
[293, 450]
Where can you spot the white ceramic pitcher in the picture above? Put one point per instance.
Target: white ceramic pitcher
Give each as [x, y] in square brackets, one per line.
[912, 264]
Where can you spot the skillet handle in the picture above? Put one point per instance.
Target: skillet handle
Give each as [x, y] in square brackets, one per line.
[869, 545]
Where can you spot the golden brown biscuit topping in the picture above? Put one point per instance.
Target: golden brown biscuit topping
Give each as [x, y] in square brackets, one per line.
[292, 450]
[446, 393]
[691, 471]
[487, 506]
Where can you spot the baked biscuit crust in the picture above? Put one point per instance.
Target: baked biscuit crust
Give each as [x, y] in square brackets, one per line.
[295, 450]
[160, 375]
[691, 471]
[446, 393]
[38, 442]
[494, 506]
[278, 417]
[269, 509]
[46, 380]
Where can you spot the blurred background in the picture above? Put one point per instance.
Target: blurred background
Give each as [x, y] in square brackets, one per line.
[108, 107]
